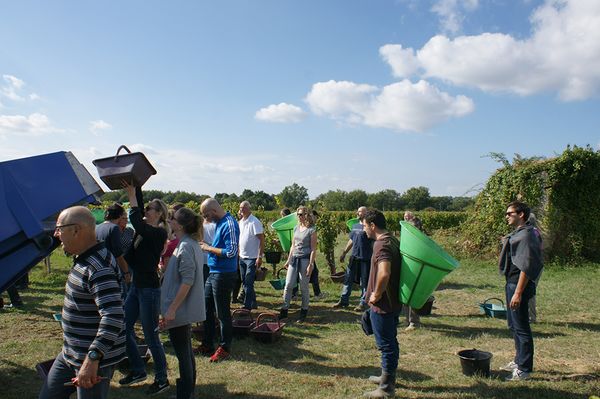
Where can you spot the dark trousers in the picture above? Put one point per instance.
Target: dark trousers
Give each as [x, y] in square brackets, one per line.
[518, 324]
[385, 329]
[217, 296]
[181, 338]
[62, 372]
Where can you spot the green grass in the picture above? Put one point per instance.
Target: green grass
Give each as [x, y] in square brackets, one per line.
[330, 357]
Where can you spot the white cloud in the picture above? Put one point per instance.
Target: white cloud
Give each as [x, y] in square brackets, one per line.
[451, 13]
[281, 113]
[35, 124]
[401, 106]
[562, 55]
[402, 60]
[98, 125]
[11, 88]
[34, 96]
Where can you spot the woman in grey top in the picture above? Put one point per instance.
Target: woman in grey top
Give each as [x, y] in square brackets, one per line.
[300, 261]
[182, 295]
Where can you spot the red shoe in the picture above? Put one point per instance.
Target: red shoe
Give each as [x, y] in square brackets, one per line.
[203, 350]
[220, 354]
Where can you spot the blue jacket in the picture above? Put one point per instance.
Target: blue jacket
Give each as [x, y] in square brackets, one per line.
[227, 236]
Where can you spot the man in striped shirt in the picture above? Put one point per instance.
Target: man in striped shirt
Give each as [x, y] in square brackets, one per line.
[92, 315]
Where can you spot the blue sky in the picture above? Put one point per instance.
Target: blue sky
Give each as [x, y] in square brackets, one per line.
[337, 94]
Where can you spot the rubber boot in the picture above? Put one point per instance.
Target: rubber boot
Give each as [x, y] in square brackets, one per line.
[303, 313]
[376, 379]
[386, 389]
[283, 314]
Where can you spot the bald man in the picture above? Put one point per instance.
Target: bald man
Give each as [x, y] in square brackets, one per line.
[359, 264]
[92, 314]
[223, 266]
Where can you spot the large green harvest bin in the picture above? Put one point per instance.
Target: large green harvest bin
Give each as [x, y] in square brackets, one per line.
[98, 215]
[284, 228]
[424, 265]
[352, 222]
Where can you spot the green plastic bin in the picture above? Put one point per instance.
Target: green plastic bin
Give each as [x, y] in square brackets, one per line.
[424, 265]
[98, 215]
[284, 228]
[352, 222]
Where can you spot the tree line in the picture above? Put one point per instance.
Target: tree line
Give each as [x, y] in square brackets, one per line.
[415, 198]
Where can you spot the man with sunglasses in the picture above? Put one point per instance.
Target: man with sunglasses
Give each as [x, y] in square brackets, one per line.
[92, 314]
[521, 264]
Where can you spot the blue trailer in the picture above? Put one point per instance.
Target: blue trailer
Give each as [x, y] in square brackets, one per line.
[33, 191]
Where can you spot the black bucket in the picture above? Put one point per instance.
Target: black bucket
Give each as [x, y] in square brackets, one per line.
[475, 362]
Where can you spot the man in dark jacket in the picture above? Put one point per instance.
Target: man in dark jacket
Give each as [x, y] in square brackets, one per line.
[520, 263]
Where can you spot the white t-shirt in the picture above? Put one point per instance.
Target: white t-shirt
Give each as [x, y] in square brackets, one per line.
[209, 235]
[249, 242]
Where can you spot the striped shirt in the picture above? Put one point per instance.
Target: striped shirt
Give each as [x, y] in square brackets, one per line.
[92, 314]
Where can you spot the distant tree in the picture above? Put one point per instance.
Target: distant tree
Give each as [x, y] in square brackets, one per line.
[259, 200]
[385, 200]
[461, 203]
[224, 197]
[293, 196]
[440, 203]
[354, 199]
[332, 200]
[416, 198]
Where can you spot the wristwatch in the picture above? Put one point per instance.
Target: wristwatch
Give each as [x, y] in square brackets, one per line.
[95, 355]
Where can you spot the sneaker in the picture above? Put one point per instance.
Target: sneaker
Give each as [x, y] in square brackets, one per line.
[219, 355]
[518, 375]
[339, 304]
[411, 326]
[157, 387]
[132, 379]
[510, 366]
[321, 296]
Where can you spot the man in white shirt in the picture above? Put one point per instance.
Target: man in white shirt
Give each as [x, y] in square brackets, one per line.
[252, 240]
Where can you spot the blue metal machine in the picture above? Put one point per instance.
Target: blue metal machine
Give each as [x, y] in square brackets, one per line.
[33, 191]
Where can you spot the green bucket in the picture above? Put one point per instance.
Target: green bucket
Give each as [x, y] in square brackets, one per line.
[284, 228]
[424, 265]
[98, 215]
[352, 222]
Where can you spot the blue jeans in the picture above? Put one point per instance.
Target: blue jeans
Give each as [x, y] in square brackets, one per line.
[217, 296]
[518, 324]
[354, 266]
[248, 275]
[62, 372]
[181, 338]
[145, 304]
[385, 328]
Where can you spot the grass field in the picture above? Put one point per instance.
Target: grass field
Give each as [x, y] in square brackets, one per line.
[330, 357]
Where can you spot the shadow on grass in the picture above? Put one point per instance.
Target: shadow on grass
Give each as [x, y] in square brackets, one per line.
[286, 354]
[480, 389]
[576, 325]
[460, 286]
[468, 332]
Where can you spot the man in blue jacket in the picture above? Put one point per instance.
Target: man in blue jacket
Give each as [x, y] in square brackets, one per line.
[222, 263]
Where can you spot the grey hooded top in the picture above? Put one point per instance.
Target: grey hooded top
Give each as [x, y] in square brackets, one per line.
[525, 250]
[185, 267]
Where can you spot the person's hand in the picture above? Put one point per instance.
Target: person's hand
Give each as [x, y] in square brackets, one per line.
[128, 188]
[170, 315]
[342, 257]
[309, 270]
[204, 246]
[374, 298]
[127, 278]
[88, 374]
[515, 301]
[258, 262]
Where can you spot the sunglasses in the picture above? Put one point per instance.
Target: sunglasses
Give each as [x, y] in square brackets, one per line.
[59, 228]
[510, 213]
[148, 207]
[300, 214]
